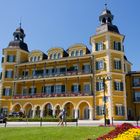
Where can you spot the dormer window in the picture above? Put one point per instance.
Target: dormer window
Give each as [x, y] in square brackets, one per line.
[11, 58]
[76, 53]
[81, 52]
[72, 53]
[59, 55]
[39, 58]
[55, 56]
[51, 56]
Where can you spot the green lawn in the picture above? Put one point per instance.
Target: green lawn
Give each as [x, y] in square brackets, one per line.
[52, 133]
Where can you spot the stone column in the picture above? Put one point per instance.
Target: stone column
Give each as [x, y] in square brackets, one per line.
[33, 115]
[75, 113]
[41, 113]
[53, 113]
[90, 113]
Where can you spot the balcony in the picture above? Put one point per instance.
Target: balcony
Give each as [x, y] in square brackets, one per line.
[137, 99]
[51, 95]
[52, 75]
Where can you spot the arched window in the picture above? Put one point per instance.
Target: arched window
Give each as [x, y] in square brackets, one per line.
[39, 58]
[77, 53]
[72, 53]
[34, 58]
[59, 55]
[55, 56]
[50, 56]
[81, 52]
[103, 20]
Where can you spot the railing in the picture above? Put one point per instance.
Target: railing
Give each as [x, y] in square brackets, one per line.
[51, 95]
[69, 73]
[137, 99]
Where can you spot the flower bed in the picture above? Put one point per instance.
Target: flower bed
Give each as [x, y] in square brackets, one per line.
[131, 134]
[118, 130]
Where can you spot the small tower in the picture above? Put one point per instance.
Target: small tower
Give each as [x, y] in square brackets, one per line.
[108, 52]
[14, 54]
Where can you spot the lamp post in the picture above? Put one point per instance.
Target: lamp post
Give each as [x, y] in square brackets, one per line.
[107, 78]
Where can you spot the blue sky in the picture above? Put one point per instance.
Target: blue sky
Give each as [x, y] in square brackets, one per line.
[62, 23]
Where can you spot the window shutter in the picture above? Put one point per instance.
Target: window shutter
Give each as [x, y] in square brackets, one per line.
[72, 88]
[97, 86]
[63, 88]
[115, 87]
[114, 45]
[14, 58]
[52, 89]
[83, 67]
[10, 92]
[97, 66]
[7, 58]
[120, 66]
[5, 74]
[43, 89]
[53, 71]
[119, 46]
[35, 90]
[79, 88]
[104, 65]
[4, 92]
[116, 110]
[96, 47]
[12, 74]
[123, 110]
[114, 64]
[121, 86]
[97, 110]
[29, 90]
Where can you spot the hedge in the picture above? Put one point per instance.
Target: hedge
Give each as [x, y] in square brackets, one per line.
[38, 119]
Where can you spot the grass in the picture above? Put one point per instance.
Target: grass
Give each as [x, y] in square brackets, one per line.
[53, 133]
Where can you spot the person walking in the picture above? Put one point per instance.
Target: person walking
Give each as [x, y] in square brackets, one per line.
[64, 117]
[60, 117]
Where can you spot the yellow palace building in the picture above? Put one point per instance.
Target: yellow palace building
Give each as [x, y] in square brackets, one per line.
[86, 83]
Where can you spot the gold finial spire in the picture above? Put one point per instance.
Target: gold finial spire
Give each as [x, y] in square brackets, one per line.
[105, 4]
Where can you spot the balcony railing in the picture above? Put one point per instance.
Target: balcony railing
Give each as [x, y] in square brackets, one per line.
[69, 73]
[51, 95]
[136, 85]
[137, 99]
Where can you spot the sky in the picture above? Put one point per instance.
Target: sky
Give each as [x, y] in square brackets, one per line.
[62, 23]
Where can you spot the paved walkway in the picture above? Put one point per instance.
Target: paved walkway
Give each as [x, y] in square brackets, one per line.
[49, 124]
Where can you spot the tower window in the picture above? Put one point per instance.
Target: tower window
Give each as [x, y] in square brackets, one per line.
[117, 64]
[103, 20]
[8, 74]
[118, 86]
[11, 58]
[100, 65]
[99, 46]
[117, 46]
